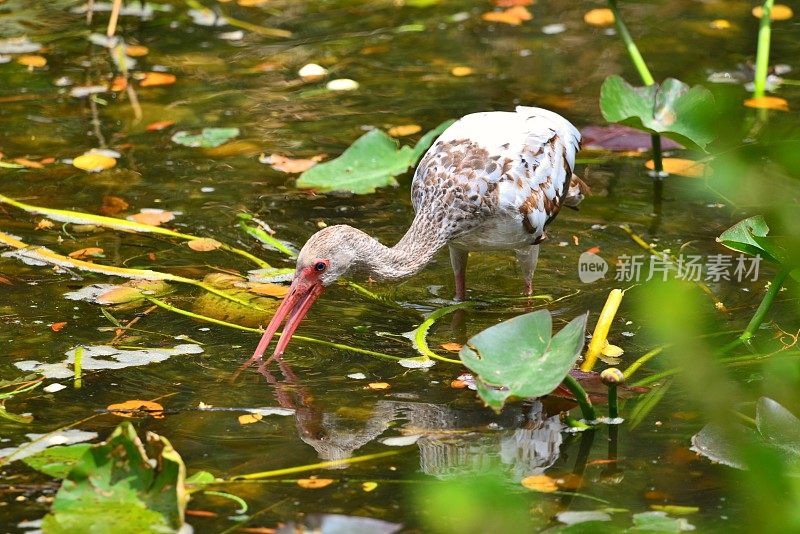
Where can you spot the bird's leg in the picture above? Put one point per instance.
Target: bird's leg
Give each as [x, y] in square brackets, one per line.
[527, 258]
[458, 259]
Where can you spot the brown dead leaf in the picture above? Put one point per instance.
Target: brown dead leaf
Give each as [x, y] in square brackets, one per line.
[204, 244]
[284, 164]
[113, 205]
[28, 163]
[768, 102]
[134, 408]
[404, 129]
[56, 327]
[599, 17]
[32, 61]
[269, 290]
[44, 224]
[683, 167]
[86, 253]
[378, 385]
[136, 51]
[250, 418]
[158, 126]
[314, 483]
[152, 217]
[152, 79]
[452, 347]
[541, 483]
[513, 16]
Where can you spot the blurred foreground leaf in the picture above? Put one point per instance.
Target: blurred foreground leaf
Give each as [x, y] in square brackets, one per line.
[751, 237]
[519, 357]
[372, 161]
[673, 109]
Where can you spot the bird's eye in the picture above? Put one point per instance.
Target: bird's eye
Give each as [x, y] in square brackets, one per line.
[320, 266]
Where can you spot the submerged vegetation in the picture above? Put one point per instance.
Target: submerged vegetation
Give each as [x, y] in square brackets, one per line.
[162, 162]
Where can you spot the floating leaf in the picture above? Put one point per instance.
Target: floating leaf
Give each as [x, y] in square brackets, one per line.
[720, 24]
[371, 162]
[136, 51]
[514, 16]
[672, 109]
[249, 418]
[158, 126]
[94, 162]
[207, 138]
[519, 357]
[57, 461]
[541, 483]
[89, 252]
[403, 130]
[203, 244]
[152, 79]
[681, 166]
[136, 408]
[152, 216]
[621, 138]
[369, 486]
[378, 385]
[675, 509]
[57, 327]
[284, 164]
[314, 483]
[122, 482]
[452, 347]
[599, 17]
[778, 12]
[512, 3]
[459, 72]
[268, 290]
[41, 442]
[768, 102]
[342, 84]
[312, 72]
[32, 61]
[113, 205]
[28, 164]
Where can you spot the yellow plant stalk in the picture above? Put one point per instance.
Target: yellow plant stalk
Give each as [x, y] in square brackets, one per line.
[600, 334]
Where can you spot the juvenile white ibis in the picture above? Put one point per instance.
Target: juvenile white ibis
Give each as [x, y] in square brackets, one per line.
[491, 181]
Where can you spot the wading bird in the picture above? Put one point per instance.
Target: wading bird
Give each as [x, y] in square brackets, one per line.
[491, 181]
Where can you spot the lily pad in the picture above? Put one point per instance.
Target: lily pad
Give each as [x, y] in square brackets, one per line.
[57, 461]
[207, 138]
[519, 358]
[372, 161]
[673, 109]
[122, 482]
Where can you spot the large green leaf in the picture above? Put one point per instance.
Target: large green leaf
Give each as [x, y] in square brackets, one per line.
[115, 488]
[372, 161]
[751, 237]
[519, 357]
[57, 461]
[672, 109]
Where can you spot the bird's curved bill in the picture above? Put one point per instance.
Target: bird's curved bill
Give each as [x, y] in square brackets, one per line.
[295, 305]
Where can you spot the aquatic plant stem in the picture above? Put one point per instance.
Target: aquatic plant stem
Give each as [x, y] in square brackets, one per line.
[613, 411]
[632, 368]
[77, 367]
[633, 50]
[766, 303]
[319, 465]
[421, 332]
[762, 54]
[658, 166]
[180, 311]
[580, 397]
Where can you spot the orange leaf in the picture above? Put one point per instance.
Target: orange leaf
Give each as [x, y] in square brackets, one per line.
[201, 513]
[461, 71]
[314, 483]
[136, 50]
[405, 129]
[113, 205]
[458, 384]
[512, 3]
[269, 290]
[250, 418]
[683, 167]
[94, 162]
[119, 83]
[47, 161]
[134, 407]
[768, 102]
[56, 327]
[378, 385]
[593, 250]
[541, 483]
[158, 125]
[452, 347]
[32, 61]
[284, 164]
[513, 16]
[599, 17]
[152, 217]
[28, 163]
[779, 12]
[204, 244]
[86, 253]
[152, 79]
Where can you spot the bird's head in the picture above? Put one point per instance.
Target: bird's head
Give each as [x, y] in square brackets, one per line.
[327, 256]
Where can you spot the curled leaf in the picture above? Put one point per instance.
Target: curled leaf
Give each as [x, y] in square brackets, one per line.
[136, 408]
[86, 253]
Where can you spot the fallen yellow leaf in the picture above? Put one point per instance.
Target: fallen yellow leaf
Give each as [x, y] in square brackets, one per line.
[768, 102]
[541, 483]
[152, 217]
[683, 167]
[612, 351]
[204, 244]
[136, 50]
[405, 129]
[378, 385]
[314, 483]
[513, 16]
[249, 418]
[779, 12]
[133, 407]
[452, 347]
[157, 78]
[94, 162]
[86, 253]
[32, 61]
[251, 3]
[44, 224]
[119, 83]
[269, 290]
[284, 164]
[369, 486]
[461, 71]
[720, 24]
[599, 17]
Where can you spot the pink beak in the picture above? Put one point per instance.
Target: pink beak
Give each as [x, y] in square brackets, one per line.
[302, 294]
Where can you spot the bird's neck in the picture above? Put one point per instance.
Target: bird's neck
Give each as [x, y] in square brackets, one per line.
[409, 256]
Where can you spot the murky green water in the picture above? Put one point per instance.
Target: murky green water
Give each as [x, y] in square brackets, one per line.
[402, 58]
